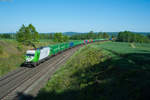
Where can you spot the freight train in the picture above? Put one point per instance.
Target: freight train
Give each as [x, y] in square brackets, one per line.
[35, 56]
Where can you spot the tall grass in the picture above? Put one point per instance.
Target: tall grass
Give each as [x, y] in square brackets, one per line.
[10, 63]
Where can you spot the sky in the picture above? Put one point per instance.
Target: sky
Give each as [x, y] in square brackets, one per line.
[75, 15]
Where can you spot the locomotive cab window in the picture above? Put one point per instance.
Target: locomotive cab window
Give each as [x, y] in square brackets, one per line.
[29, 54]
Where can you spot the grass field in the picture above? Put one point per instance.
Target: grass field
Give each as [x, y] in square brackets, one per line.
[124, 48]
[102, 71]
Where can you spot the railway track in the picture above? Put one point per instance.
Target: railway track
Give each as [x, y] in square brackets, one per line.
[26, 80]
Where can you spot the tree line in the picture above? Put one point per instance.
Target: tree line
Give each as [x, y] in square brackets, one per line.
[89, 35]
[29, 34]
[128, 36]
[56, 37]
[8, 36]
[13, 35]
[78, 36]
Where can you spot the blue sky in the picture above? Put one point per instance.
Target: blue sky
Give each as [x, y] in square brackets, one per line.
[76, 15]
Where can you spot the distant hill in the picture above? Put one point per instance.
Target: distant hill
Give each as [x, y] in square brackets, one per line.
[110, 33]
[73, 33]
[70, 33]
